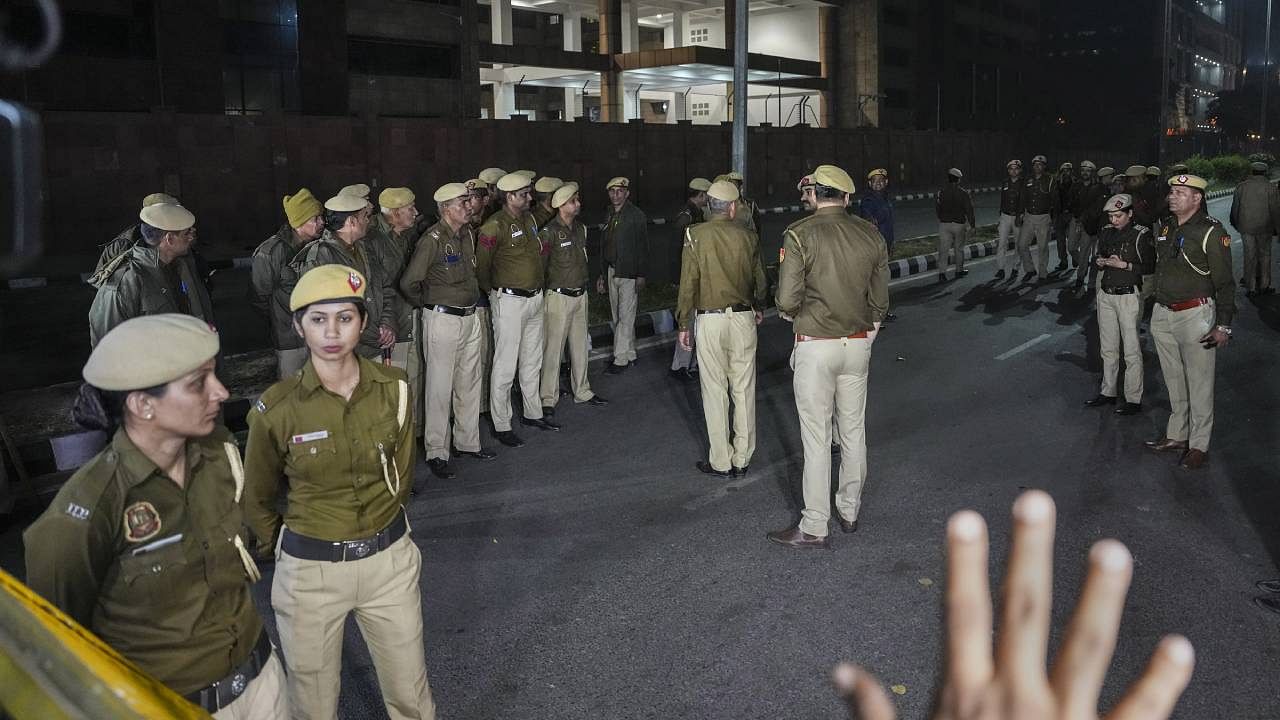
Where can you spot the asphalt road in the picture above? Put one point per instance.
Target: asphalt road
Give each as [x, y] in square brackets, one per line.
[595, 574]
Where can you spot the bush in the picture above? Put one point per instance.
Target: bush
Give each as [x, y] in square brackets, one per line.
[1200, 165]
[1230, 168]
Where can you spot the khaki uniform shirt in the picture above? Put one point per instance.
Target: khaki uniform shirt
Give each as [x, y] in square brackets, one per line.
[833, 275]
[747, 212]
[542, 215]
[379, 288]
[265, 292]
[509, 254]
[1193, 260]
[391, 251]
[442, 270]
[720, 267]
[327, 454]
[140, 285]
[148, 566]
[567, 263]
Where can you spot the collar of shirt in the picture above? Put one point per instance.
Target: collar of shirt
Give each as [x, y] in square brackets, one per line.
[138, 467]
[310, 381]
[829, 210]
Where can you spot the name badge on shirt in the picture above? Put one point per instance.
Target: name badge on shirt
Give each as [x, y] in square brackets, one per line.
[516, 232]
[566, 244]
[309, 437]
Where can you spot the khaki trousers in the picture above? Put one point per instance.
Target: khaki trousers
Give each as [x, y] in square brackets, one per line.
[1084, 247]
[517, 344]
[1118, 317]
[1188, 369]
[566, 319]
[484, 318]
[950, 237]
[622, 305]
[681, 358]
[407, 356]
[312, 599]
[727, 359]
[1257, 261]
[1034, 227]
[831, 377]
[266, 696]
[289, 362]
[452, 382]
[1007, 230]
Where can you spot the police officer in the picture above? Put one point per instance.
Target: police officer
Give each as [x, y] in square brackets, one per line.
[876, 207]
[510, 266]
[1064, 186]
[1125, 254]
[722, 281]
[337, 439]
[390, 241]
[142, 545]
[1010, 217]
[440, 279]
[115, 250]
[684, 363]
[1039, 205]
[1156, 197]
[152, 278]
[954, 209]
[478, 193]
[305, 220]
[543, 190]
[805, 188]
[748, 212]
[566, 304]
[833, 285]
[1137, 187]
[1255, 212]
[1087, 216]
[490, 177]
[1195, 303]
[625, 252]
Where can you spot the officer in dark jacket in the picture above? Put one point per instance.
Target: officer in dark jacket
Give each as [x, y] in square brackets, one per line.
[1039, 205]
[1064, 185]
[625, 252]
[305, 217]
[1010, 217]
[954, 209]
[684, 363]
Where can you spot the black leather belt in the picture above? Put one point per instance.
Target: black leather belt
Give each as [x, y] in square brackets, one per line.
[518, 292]
[451, 310]
[1126, 290]
[571, 292]
[225, 691]
[731, 308]
[308, 548]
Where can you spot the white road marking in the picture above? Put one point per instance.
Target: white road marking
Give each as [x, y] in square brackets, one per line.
[1030, 343]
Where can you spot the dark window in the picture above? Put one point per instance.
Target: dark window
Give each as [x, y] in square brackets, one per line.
[260, 55]
[384, 57]
[896, 98]
[92, 34]
[896, 56]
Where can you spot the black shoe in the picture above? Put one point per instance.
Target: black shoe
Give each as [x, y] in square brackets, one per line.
[1251, 293]
[704, 466]
[597, 401]
[961, 273]
[1271, 586]
[1000, 274]
[890, 317]
[738, 471]
[540, 423]
[1061, 266]
[440, 468]
[942, 277]
[480, 454]
[1029, 276]
[1267, 291]
[1078, 284]
[1268, 603]
[1129, 408]
[683, 375]
[548, 411]
[509, 438]
[1101, 400]
[847, 526]
[615, 369]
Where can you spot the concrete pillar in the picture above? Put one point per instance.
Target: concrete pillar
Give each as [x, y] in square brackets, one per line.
[571, 22]
[730, 12]
[677, 33]
[630, 26]
[500, 21]
[859, 64]
[504, 100]
[828, 59]
[611, 103]
[469, 62]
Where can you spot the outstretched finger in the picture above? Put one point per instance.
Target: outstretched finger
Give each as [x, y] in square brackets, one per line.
[1090, 641]
[1154, 694]
[862, 692]
[968, 603]
[1028, 592]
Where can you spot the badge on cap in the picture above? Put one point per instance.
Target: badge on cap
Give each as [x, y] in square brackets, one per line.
[1182, 178]
[141, 522]
[1119, 204]
[354, 281]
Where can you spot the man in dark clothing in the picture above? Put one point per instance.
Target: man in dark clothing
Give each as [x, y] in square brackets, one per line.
[954, 208]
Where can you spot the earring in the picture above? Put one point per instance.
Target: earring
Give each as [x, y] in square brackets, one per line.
[148, 416]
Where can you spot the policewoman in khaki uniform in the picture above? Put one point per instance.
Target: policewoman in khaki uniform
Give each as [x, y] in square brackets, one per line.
[722, 282]
[143, 545]
[1195, 303]
[441, 280]
[833, 284]
[337, 438]
[566, 298]
[510, 266]
[1124, 254]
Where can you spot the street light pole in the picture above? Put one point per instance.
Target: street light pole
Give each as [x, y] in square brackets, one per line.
[740, 93]
[1266, 73]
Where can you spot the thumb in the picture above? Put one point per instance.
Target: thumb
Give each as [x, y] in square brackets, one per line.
[862, 692]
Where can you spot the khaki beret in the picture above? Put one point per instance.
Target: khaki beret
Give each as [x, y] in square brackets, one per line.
[547, 184]
[301, 207]
[1087, 164]
[1259, 166]
[491, 175]
[724, 190]
[1192, 181]
[1178, 168]
[1153, 170]
[734, 175]
[150, 350]
[1040, 159]
[563, 194]
[1013, 163]
[167, 217]
[159, 198]
[360, 190]
[1116, 203]
[512, 182]
[326, 284]
[618, 182]
[345, 202]
[878, 171]
[477, 184]
[955, 172]
[395, 198]
[700, 184]
[1106, 172]
[833, 177]
[1135, 171]
[527, 173]
[450, 191]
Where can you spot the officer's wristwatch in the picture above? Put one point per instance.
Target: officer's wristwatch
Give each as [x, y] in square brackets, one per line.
[1223, 329]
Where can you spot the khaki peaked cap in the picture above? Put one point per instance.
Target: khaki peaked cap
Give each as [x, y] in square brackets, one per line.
[167, 217]
[512, 182]
[327, 284]
[833, 177]
[563, 194]
[724, 190]
[396, 198]
[450, 191]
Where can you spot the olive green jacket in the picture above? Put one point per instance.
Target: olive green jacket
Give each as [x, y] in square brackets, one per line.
[442, 270]
[509, 253]
[720, 267]
[266, 293]
[138, 286]
[379, 288]
[833, 274]
[567, 261]
[149, 566]
[1193, 260]
[392, 250]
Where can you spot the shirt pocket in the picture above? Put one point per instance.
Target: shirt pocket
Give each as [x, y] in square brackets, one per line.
[158, 578]
[308, 457]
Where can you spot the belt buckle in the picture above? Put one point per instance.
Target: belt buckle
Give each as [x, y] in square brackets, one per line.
[359, 548]
[238, 684]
